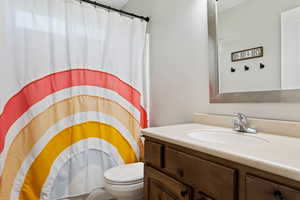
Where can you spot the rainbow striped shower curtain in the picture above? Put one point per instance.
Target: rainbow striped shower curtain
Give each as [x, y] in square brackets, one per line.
[73, 96]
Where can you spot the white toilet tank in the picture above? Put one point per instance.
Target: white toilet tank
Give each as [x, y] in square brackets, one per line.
[114, 3]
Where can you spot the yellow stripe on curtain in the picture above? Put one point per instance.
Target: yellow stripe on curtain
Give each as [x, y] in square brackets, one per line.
[40, 169]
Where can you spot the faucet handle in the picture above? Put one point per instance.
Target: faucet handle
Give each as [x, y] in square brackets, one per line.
[241, 117]
[241, 124]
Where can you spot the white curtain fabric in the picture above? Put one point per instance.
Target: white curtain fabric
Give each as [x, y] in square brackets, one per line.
[39, 38]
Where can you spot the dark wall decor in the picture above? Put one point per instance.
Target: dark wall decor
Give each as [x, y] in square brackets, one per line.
[247, 54]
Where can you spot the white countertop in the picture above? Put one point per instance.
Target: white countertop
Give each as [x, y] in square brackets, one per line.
[280, 155]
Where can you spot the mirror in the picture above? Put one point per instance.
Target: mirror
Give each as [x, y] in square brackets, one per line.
[254, 48]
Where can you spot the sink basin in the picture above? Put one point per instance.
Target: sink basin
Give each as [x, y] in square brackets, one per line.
[226, 137]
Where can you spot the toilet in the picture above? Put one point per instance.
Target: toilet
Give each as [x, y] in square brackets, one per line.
[125, 182]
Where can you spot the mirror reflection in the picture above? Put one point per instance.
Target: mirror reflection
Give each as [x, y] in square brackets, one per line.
[258, 45]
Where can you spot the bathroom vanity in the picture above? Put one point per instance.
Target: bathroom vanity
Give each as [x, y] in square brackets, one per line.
[179, 167]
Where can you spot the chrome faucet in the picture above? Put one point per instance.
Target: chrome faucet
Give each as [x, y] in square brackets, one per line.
[241, 124]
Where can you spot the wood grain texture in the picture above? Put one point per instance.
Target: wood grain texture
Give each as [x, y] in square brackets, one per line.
[181, 162]
[210, 178]
[154, 154]
[161, 187]
[260, 189]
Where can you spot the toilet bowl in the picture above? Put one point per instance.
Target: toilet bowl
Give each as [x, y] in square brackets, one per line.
[125, 182]
[99, 194]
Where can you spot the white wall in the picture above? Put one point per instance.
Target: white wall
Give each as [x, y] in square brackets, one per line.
[228, 4]
[113, 3]
[179, 71]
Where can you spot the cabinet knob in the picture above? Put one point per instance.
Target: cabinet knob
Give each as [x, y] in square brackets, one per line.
[183, 193]
[278, 195]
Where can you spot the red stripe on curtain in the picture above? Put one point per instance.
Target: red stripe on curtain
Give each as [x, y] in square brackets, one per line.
[41, 88]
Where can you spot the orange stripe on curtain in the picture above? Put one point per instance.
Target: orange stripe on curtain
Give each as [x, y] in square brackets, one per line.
[41, 88]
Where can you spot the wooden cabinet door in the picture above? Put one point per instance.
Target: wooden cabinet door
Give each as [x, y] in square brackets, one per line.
[217, 181]
[154, 153]
[158, 192]
[158, 186]
[260, 189]
[201, 196]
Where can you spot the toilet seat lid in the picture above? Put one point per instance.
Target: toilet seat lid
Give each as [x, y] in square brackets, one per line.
[125, 174]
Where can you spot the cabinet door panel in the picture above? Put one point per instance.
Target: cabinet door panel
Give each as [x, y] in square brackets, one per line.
[260, 189]
[156, 192]
[201, 196]
[158, 186]
[213, 179]
[154, 154]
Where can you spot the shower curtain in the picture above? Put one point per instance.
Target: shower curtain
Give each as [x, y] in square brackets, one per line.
[73, 96]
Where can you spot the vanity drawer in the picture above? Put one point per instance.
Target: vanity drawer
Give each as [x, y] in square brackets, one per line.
[212, 179]
[154, 153]
[260, 189]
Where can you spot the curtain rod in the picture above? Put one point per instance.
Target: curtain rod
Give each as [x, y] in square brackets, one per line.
[147, 19]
